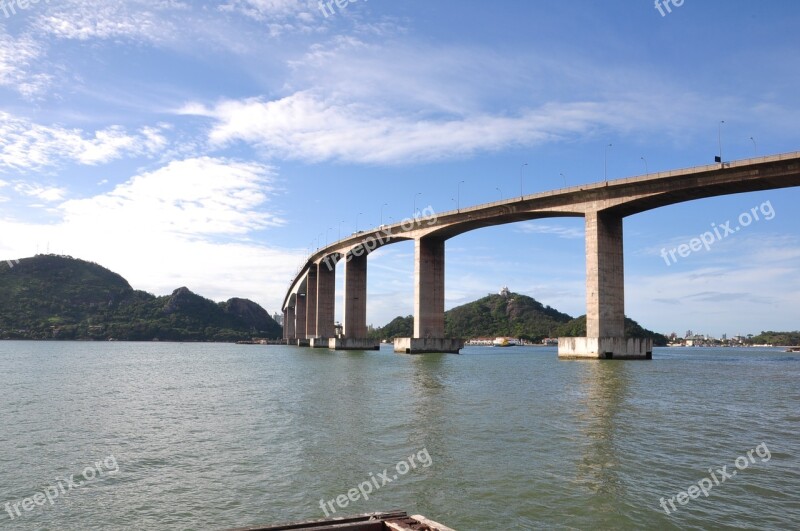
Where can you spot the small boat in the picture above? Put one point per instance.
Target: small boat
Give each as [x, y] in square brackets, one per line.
[391, 521]
[504, 342]
[793, 349]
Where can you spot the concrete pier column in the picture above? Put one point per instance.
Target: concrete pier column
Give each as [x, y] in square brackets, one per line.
[355, 296]
[428, 302]
[326, 300]
[288, 324]
[429, 288]
[605, 276]
[355, 307]
[311, 303]
[300, 311]
[605, 297]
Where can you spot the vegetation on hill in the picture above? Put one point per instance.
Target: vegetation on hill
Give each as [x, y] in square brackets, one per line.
[786, 339]
[398, 327]
[58, 297]
[514, 315]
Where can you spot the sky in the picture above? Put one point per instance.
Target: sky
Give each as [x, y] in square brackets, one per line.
[214, 144]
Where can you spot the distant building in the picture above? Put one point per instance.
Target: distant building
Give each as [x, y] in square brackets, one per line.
[505, 292]
[278, 318]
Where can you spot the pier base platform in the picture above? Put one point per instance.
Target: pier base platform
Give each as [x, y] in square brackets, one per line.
[353, 343]
[318, 342]
[604, 348]
[418, 345]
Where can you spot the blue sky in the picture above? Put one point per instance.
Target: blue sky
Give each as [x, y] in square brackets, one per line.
[211, 144]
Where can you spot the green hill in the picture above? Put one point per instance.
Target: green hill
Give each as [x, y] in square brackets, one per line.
[514, 315]
[58, 297]
[511, 315]
[787, 339]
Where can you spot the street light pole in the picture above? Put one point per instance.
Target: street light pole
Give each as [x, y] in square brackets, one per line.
[565, 180]
[501, 192]
[755, 147]
[646, 171]
[383, 205]
[357, 220]
[719, 138]
[414, 214]
[605, 163]
[521, 174]
[458, 196]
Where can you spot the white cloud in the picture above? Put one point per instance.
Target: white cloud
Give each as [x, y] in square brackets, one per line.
[196, 197]
[306, 126]
[45, 193]
[270, 9]
[534, 227]
[17, 58]
[25, 145]
[111, 19]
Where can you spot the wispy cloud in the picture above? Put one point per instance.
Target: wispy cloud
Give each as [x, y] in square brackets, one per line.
[25, 145]
[85, 20]
[17, 60]
[309, 127]
[45, 193]
[535, 227]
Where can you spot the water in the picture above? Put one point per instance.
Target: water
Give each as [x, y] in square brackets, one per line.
[218, 436]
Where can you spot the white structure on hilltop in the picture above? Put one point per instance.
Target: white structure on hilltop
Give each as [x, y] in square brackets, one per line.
[505, 292]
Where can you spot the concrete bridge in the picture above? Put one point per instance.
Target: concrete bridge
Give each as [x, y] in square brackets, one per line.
[309, 303]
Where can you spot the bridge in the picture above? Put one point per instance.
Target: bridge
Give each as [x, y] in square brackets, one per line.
[308, 307]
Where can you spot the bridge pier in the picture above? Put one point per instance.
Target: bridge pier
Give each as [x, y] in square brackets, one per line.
[355, 307]
[429, 268]
[301, 339]
[311, 303]
[605, 297]
[288, 325]
[326, 305]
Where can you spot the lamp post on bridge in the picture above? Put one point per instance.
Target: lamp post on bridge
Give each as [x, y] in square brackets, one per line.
[521, 175]
[458, 197]
[605, 163]
[414, 214]
[646, 171]
[326, 235]
[755, 147]
[501, 192]
[359, 214]
[719, 138]
[565, 179]
[383, 205]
